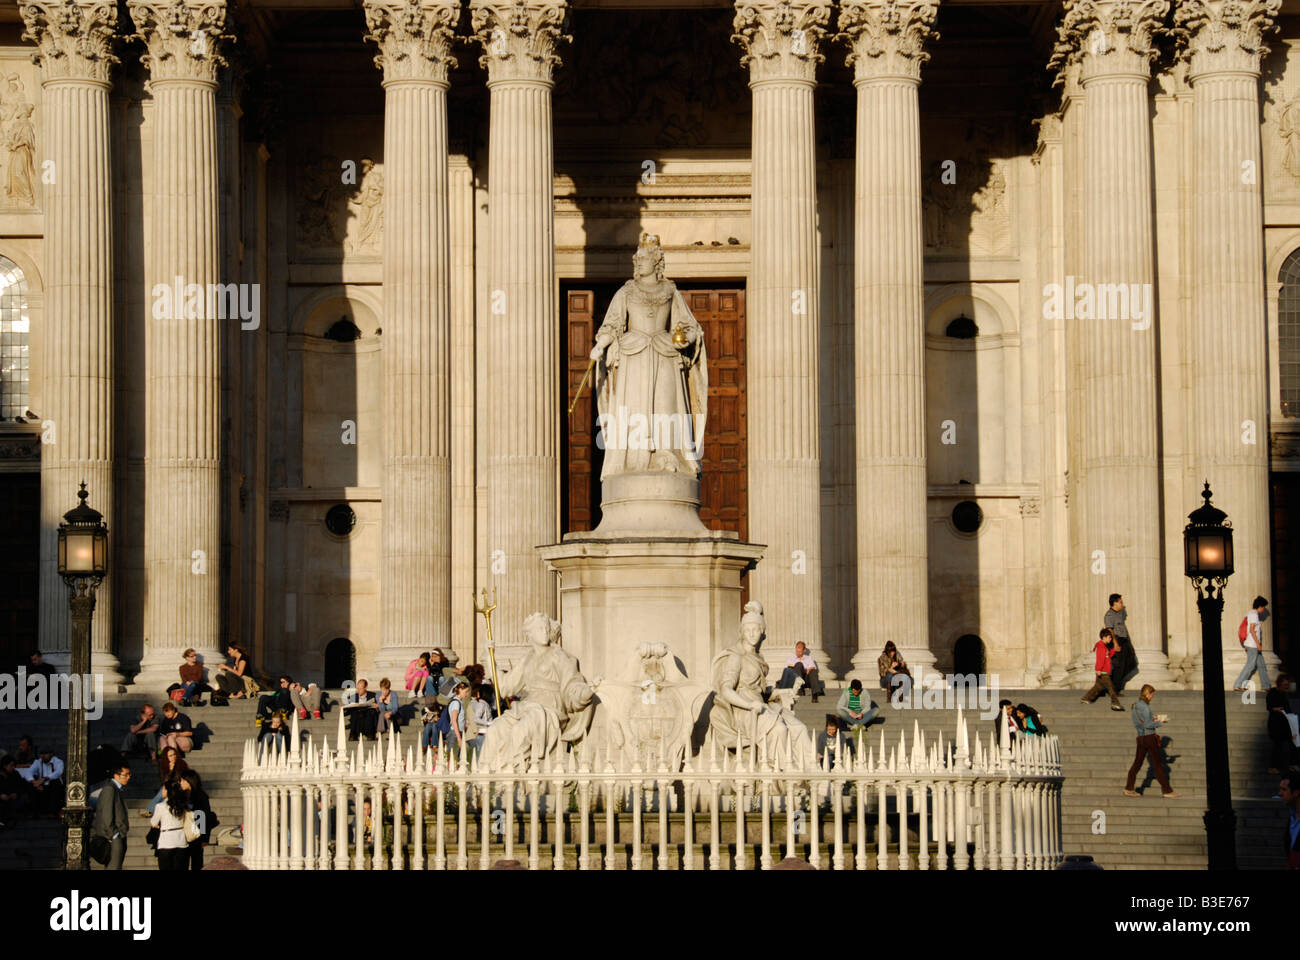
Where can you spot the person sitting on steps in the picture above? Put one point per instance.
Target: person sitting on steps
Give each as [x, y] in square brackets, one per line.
[802, 666]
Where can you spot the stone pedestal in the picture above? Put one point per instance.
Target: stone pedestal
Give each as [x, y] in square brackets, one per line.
[616, 593]
[650, 505]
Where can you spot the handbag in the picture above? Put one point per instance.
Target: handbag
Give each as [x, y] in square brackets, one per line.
[100, 850]
[190, 825]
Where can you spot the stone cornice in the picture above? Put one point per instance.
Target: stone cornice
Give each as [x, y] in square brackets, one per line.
[887, 37]
[781, 39]
[1224, 36]
[1109, 37]
[74, 37]
[181, 38]
[414, 38]
[519, 39]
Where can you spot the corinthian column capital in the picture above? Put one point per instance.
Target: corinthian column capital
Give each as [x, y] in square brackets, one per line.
[181, 38]
[519, 39]
[1109, 37]
[781, 39]
[887, 37]
[74, 37]
[1224, 36]
[414, 37]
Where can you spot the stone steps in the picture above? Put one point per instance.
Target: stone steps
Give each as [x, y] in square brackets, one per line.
[1097, 746]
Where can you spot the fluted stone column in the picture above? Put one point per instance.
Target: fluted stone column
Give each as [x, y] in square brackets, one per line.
[414, 38]
[1222, 43]
[887, 39]
[1111, 41]
[781, 42]
[183, 355]
[74, 40]
[519, 41]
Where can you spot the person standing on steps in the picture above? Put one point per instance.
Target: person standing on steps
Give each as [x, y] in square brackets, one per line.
[111, 821]
[1104, 650]
[1117, 617]
[1253, 644]
[1148, 745]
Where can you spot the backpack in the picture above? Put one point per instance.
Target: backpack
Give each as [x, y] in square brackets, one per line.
[1243, 632]
[444, 722]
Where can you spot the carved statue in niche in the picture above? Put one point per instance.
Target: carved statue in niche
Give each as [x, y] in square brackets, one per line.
[18, 135]
[369, 207]
[1288, 130]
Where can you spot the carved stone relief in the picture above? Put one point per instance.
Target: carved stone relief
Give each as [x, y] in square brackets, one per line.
[966, 189]
[339, 206]
[18, 163]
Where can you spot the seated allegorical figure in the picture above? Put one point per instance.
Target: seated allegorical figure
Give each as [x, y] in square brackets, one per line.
[554, 706]
[740, 714]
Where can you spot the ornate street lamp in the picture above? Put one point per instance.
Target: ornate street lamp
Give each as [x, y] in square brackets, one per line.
[83, 562]
[1207, 559]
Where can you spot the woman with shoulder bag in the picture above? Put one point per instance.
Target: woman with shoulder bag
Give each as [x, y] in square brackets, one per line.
[201, 816]
[169, 819]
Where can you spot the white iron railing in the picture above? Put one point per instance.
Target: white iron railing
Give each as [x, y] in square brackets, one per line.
[997, 807]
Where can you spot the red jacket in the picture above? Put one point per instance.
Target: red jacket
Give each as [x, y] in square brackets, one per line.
[1104, 654]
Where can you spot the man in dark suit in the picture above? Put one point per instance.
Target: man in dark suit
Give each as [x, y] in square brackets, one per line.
[111, 820]
[1289, 791]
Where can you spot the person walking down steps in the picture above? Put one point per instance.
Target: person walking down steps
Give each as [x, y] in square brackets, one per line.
[1148, 745]
[1104, 650]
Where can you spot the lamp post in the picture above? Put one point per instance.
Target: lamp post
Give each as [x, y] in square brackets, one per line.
[83, 561]
[1207, 560]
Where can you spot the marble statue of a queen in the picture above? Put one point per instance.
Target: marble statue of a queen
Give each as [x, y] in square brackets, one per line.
[652, 374]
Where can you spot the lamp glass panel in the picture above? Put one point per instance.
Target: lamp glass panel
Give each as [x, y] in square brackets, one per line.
[101, 553]
[80, 557]
[1210, 551]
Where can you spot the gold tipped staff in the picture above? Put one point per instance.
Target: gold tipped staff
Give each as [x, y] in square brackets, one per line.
[485, 608]
[578, 395]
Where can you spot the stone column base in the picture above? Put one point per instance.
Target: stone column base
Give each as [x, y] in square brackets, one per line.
[618, 593]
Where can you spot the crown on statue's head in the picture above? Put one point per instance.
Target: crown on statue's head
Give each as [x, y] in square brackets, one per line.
[649, 240]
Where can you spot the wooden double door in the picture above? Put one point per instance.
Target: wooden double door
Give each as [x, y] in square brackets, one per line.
[721, 312]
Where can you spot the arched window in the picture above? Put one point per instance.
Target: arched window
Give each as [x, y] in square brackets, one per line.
[15, 329]
[1288, 336]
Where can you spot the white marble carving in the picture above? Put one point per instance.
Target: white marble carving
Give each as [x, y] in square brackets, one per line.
[554, 708]
[652, 381]
[739, 715]
[646, 717]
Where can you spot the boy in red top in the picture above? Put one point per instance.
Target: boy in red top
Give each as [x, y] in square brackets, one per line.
[1104, 650]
